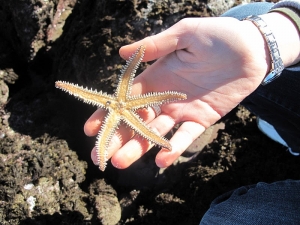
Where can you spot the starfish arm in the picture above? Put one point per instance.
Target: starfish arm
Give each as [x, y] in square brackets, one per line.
[136, 123]
[89, 96]
[156, 98]
[109, 125]
[127, 74]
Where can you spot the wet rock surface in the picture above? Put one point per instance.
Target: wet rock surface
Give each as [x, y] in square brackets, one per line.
[46, 175]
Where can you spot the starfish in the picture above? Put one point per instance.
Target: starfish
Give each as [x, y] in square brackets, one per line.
[121, 106]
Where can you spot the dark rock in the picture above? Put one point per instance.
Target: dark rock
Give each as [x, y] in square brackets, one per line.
[30, 25]
[105, 203]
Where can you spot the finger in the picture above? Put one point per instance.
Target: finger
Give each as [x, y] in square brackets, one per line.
[170, 40]
[94, 156]
[180, 141]
[115, 143]
[122, 134]
[138, 146]
[93, 124]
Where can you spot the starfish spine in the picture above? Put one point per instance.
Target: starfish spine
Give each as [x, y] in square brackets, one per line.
[89, 96]
[127, 74]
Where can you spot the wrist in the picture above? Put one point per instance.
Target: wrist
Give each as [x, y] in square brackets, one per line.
[286, 35]
[271, 43]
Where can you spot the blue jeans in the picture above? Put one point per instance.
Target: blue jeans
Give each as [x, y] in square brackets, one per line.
[276, 203]
[278, 103]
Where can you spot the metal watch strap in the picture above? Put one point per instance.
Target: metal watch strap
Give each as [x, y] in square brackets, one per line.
[277, 64]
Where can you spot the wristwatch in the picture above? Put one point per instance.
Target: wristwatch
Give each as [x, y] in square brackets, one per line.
[277, 64]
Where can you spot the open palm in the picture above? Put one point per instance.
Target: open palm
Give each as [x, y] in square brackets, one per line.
[217, 62]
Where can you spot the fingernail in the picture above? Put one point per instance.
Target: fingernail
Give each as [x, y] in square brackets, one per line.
[115, 165]
[94, 157]
[160, 163]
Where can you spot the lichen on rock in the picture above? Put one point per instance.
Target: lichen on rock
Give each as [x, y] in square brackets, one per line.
[39, 178]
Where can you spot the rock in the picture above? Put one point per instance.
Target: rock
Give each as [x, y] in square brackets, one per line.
[6, 76]
[30, 25]
[105, 202]
[38, 177]
[218, 7]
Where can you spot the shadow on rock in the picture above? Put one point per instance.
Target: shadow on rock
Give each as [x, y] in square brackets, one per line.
[66, 217]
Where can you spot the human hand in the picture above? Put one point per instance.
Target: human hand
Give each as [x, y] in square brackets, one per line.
[217, 62]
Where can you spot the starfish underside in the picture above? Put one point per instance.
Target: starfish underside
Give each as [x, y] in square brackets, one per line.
[122, 107]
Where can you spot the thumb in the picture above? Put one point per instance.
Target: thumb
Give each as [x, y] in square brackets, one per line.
[160, 44]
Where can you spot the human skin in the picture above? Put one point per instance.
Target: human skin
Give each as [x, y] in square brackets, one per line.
[217, 62]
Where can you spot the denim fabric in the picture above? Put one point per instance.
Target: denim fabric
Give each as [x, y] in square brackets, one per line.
[276, 203]
[279, 104]
[242, 11]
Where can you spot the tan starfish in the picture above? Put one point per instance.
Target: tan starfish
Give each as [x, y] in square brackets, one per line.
[122, 107]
